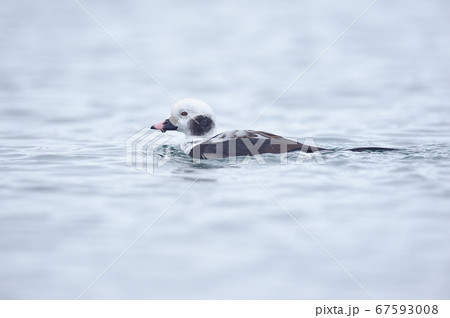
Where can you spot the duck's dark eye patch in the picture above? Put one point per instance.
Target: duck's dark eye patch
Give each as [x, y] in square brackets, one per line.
[200, 125]
[184, 114]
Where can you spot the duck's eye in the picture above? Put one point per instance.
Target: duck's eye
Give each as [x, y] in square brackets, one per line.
[184, 114]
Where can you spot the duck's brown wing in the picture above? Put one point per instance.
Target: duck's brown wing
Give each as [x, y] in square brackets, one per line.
[280, 144]
[246, 143]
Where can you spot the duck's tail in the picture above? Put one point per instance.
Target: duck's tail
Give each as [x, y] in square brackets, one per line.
[361, 149]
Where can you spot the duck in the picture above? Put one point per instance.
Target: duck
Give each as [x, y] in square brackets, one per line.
[197, 121]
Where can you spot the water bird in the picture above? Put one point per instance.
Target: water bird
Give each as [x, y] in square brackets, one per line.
[196, 120]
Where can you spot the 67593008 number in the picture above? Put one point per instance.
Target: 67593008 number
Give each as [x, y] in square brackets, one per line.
[406, 309]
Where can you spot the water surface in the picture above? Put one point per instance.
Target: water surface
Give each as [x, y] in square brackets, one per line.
[70, 98]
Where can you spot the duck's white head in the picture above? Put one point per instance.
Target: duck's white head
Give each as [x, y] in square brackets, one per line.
[190, 116]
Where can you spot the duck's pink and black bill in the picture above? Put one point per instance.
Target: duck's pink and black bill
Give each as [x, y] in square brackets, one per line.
[164, 126]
